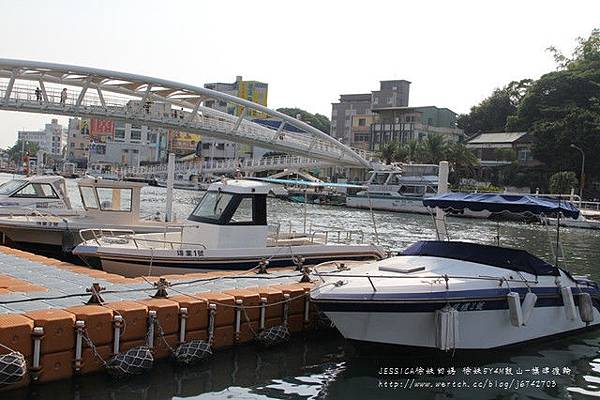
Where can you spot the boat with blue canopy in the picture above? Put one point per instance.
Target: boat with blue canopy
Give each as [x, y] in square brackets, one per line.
[454, 295]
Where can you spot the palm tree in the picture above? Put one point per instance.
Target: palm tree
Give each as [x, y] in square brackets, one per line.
[413, 148]
[387, 152]
[435, 148]
[462, 159]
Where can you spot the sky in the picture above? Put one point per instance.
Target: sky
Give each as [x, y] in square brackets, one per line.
[454, 52]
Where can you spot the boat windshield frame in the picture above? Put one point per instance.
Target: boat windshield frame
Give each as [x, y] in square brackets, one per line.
[18, 185]
[225, 215]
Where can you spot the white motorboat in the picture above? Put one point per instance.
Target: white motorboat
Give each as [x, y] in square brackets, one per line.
[226, 231]
[400, 189]
[29, 195]
[112, 206]
[456, 295]
[582, 222]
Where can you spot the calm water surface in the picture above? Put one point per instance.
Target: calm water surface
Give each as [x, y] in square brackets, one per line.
[325, 367]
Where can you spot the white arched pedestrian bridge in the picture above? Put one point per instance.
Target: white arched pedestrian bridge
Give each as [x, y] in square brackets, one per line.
[118, 96]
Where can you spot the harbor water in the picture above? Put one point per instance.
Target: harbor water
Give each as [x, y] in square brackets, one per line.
[324, 366]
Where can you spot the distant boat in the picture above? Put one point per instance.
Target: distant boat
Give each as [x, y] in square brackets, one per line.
[400, 189]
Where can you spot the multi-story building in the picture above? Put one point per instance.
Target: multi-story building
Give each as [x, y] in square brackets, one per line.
[353, 107]
[50, 140]
[254, 91]
[403, 124]
[369, 120]
[117, 142]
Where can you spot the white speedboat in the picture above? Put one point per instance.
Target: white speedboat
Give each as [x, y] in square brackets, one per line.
[456, 295]
[226, 231]
[109, 206]
[397, 189]
[582, 222]
[28, 195]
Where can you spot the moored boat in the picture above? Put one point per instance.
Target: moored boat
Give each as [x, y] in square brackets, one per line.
[30, 195]
[456, 295]
[109, 206]
[227, 230]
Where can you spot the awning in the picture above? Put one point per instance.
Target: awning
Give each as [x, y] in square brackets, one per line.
[498, 203]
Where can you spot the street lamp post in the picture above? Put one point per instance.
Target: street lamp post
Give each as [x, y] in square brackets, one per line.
[581, 179]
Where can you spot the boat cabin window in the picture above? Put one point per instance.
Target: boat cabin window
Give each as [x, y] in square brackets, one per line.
[37, 190]
[379, 179]
[411, 190]
[88, 197]
[114, 199]
[10, 186]
[395, 179]
[231, 209]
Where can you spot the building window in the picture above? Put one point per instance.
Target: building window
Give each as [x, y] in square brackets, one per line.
[362, 122]
[119, 134]
[136, 133]
[524, 155]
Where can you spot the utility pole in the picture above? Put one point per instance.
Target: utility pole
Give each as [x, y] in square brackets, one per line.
[582, 177]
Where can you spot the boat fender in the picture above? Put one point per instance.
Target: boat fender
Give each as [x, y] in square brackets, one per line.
[586, 307]
[514, 308]
[568, 302]
[446, 324]
[528, 306]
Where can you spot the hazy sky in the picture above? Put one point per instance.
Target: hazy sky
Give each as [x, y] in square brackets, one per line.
[454, 52]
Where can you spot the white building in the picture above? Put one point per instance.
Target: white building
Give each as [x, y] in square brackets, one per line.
[50, 140]
[118, 142]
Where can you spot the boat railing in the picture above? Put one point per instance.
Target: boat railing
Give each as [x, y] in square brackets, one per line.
[124, 236]
[338, 235]
[316, 234]
[440, 279]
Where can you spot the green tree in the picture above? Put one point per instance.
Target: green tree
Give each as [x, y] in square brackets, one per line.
[434, 148]
[319, 121]
[563, 182]
[492, 114]
[462, 160]
[16, 151]
[388, 151]
[563, 107]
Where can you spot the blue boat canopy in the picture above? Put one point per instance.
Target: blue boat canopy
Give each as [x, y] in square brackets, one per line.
[502, 257]
[498, 203]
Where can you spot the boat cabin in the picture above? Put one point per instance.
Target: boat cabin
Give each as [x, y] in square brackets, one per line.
[44, 193]
[412, 180]
[232, 214]
[114, 202]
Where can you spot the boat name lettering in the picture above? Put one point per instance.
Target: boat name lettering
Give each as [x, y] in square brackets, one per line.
[190, 253]
[470, 306]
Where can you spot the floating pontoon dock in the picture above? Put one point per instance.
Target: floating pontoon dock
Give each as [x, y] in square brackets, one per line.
[62, 319]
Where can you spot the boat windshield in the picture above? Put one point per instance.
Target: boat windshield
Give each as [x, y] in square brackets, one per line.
[37, 190]
[212, 205]
[11, 186]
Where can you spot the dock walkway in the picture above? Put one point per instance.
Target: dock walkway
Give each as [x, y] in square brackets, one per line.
[43, 312]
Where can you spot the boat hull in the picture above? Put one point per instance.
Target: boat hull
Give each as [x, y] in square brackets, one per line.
[478, 330]
[398, 204]
[132, 265]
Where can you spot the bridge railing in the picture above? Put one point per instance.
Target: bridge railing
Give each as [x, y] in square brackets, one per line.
[128, 108]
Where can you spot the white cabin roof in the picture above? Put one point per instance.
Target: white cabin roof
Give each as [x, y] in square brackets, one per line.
[240, 186]
[99, 182]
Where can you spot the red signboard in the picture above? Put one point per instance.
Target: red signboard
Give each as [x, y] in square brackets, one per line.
[102, 127]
